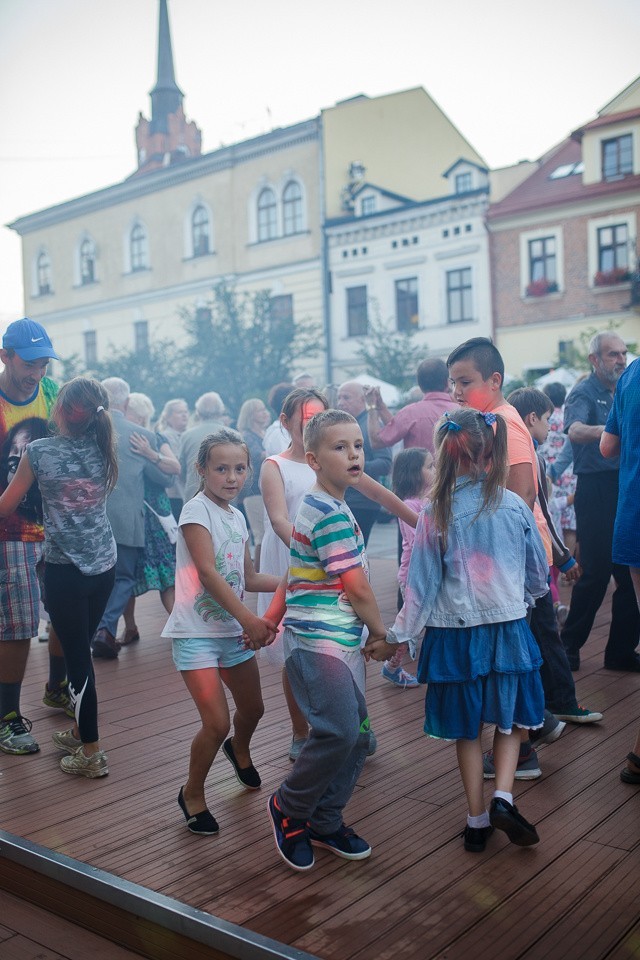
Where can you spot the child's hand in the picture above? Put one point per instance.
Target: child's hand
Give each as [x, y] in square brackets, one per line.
[273, 627]
[377, 648]
[573, 575]
[258, 633]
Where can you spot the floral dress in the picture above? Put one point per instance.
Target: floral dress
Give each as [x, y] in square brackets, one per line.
[566, 483]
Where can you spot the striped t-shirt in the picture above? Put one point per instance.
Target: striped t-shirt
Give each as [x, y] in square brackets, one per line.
[326, 542]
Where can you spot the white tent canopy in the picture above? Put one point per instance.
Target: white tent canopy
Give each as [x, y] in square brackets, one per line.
[564, 375]
[390, 394]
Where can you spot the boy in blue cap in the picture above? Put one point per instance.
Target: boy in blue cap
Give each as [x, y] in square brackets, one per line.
[26, 398]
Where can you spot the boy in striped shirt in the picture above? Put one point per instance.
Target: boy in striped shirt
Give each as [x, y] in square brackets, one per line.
[328, 600]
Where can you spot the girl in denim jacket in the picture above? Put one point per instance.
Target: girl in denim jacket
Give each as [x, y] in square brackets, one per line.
[477, 559]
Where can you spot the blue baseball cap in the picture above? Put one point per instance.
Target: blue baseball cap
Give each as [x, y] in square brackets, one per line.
[29, 339]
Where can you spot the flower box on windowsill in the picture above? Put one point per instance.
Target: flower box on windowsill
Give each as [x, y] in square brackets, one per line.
[611, 278]
[540, 288]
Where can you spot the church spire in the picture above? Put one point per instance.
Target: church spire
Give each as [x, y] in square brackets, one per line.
[166, 96]
[168, 137]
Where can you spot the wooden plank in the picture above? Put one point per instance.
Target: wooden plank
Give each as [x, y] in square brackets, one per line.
[419, 887]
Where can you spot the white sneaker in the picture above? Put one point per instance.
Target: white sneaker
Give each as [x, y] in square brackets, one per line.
[83, 766]
[65, 740]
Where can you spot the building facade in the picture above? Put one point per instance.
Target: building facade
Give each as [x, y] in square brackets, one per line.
[564, 244]
[114, 269]
[408, 266]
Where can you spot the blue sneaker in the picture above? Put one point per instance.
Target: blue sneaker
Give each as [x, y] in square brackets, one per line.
[291, 836]
[345, 843]
[399, 676]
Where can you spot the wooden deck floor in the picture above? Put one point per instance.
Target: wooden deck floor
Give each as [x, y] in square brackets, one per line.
[575, 895]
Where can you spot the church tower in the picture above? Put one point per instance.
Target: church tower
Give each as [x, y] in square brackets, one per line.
[167, 138]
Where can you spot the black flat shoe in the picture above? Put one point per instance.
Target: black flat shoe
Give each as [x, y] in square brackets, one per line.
[203, 823]
[505, 816]
[628, 665]
[246, 776]
[475, 838]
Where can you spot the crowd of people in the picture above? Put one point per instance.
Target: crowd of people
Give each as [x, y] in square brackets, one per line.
[498, 498]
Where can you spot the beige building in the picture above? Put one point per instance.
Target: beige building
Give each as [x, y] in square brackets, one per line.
[114, 268]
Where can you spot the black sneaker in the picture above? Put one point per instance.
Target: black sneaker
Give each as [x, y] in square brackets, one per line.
[475, 838]
[291, 836]
[505, 816]
[345, 843]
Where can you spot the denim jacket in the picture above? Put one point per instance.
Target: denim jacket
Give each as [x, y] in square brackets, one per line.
[493, 567]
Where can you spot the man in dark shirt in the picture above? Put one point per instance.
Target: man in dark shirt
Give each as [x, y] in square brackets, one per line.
[596, 498]
[351, 398]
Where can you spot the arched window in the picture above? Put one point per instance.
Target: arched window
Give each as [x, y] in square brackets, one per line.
[200, 233]
[292, 208]
[138, 247]
[87, 262]
[43, 272]
[267, 215]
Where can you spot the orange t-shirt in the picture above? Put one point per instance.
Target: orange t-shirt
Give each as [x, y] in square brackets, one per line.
[520, 449]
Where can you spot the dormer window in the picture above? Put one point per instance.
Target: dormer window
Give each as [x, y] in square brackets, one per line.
[368, 205]
[463, 182]
[617, 157]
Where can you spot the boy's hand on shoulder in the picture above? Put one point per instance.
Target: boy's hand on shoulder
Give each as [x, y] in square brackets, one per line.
[377, 648]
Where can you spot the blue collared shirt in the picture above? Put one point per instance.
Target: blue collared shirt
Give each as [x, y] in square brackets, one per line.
[589, 402]
[494, 566]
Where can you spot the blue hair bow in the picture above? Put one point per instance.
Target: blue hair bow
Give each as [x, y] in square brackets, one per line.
[449, 424]
[489, 418]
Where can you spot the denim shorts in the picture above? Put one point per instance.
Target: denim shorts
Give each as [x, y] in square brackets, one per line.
[199, 653]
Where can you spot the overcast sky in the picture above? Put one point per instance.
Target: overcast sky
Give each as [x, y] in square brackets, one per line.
[514, 76]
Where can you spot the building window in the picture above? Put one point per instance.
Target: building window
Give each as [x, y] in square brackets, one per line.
[139, 249]
[200, 233]
[43, 269]
[90, 348]
[407, 304]
[368, 205]
[281, 312]
[357, 317]
[542, 259]
[140, 336]
[292, 209]
[617, 157]
[613, 248]
[459, 299]
[267, 215]
[463, 182]
[87, 262]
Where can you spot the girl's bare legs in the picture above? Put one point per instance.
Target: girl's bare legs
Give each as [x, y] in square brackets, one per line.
[470, 763]
[168, 597]
[298, 722]
[243, 682]
[205, 687]
[506, 749]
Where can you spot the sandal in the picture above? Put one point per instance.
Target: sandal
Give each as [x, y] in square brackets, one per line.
[630, 776]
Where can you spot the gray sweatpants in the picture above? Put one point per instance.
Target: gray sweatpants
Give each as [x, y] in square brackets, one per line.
[325, 774]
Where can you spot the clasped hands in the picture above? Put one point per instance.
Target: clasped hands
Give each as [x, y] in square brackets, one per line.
[259, 633]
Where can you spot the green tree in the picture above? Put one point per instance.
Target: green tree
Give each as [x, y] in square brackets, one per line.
[390, 355]
[240, 344]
